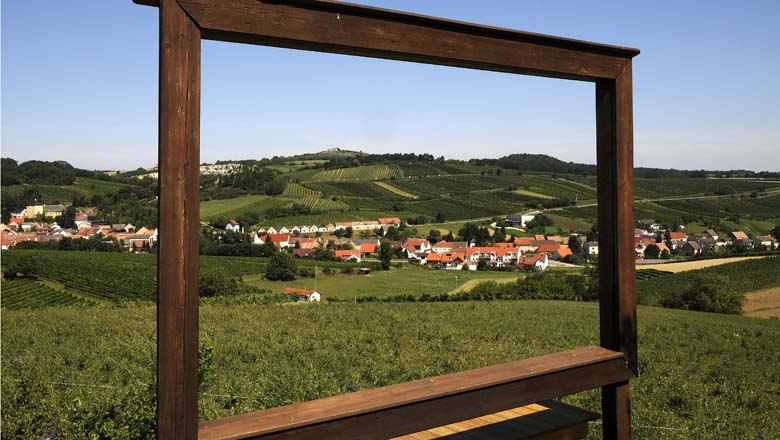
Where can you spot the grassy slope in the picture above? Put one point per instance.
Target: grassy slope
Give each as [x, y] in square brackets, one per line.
[475, 196]
[215, 208]
[407, 280]
[702, 375]
[741, 276]
[82, 186]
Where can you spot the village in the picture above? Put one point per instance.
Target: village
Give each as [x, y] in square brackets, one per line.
[654, 243]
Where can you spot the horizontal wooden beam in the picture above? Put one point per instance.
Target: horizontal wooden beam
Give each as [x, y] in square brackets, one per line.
[336, 27]
[422, 404]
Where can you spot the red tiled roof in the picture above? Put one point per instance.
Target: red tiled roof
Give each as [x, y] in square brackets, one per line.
[294, 291]
[524, 241]
[345, 254]
[388, 220]
[416, 242]
[548, 248]
[677, 235]
[531, 259]
[368, 248]
[739, 235]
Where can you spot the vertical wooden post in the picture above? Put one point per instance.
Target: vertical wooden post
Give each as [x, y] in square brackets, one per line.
[617, 301]
[177, 261]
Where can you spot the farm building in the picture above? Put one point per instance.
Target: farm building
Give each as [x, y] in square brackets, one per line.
[303, 294]
[233, 226]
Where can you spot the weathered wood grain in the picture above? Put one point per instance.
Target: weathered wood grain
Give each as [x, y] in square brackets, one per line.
[615, 181]
[329, 26]
[414, 406]
[177, 265]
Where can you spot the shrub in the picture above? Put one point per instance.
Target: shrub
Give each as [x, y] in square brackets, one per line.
[216, 282]
[706, 294]
[25, 266]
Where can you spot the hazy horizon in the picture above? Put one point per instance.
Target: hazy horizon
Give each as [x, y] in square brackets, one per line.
[80, 84]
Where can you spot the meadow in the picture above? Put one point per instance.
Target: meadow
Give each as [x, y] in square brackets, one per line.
[741, 276]
[68, 276]
[81, 187]
[407, 280]
[67, 371]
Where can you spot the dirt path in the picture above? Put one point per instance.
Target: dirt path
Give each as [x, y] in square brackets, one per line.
[396, 190]
[763, 303]
[692, 265]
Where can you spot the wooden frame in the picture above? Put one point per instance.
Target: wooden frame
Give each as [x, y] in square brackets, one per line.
[331, 26]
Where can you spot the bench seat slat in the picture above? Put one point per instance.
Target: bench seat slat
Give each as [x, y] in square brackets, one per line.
[481, 387]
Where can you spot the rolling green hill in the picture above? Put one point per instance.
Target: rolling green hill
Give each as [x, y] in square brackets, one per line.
[701, 375]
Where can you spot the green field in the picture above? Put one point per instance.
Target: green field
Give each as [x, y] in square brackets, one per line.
[66, 372]
[216, 208]
[462, 191]
[396, 190]
[360, 173]
[408, 280]
[741, 276]
[28, 294]
[81, 187]
[296, 189]
[115, 277]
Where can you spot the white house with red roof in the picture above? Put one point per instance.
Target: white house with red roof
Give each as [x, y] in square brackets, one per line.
[279, 240]
[233, 226]
[537, 262]
[677, 239]
[348, 255]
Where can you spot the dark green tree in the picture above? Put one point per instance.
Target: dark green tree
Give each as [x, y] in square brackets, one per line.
[282, 267]
[26, 266]
[652, 251]
[575, 245]
[386, 254]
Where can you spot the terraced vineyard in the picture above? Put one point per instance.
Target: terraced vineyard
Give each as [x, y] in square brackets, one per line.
[113, 277]
[653, 188]
[364, 188]
[396, 190]
[366, 172]
[296, 189]
[646, 274]
[320, 204]
[29, 294]
[436, 168]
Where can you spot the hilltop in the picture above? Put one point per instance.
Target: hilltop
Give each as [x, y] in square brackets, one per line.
[344, 185]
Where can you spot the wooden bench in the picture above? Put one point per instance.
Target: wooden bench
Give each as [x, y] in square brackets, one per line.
[410, 407]
[539, 421]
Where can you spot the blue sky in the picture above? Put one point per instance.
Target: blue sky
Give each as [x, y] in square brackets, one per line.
[79, 83]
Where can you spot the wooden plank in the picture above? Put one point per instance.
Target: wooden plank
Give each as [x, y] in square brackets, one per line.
[550, 419]
[616, 215]
[617, 301]
[616, 411]
[394, 410]
[177, 269]
[336, 27]
[335, 6]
